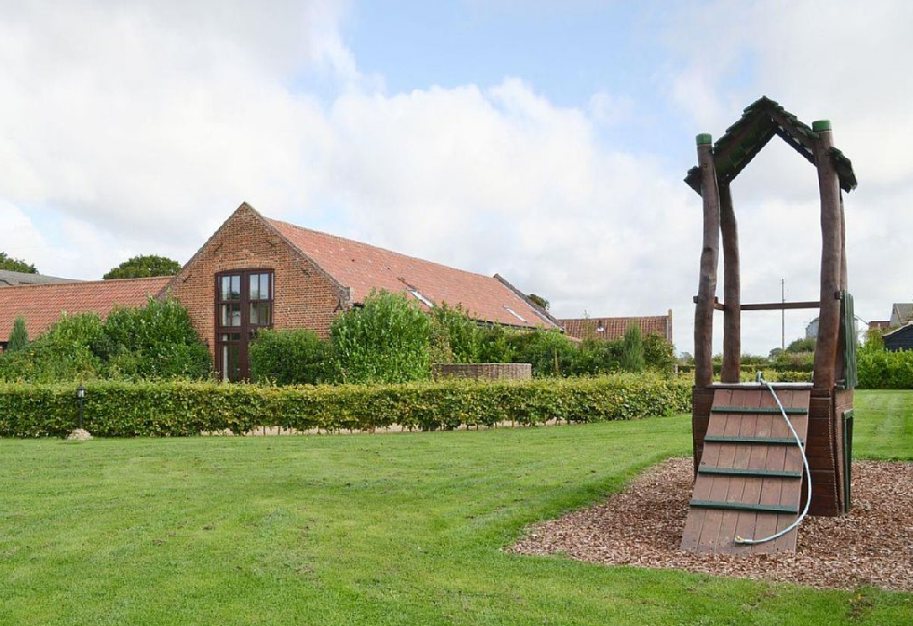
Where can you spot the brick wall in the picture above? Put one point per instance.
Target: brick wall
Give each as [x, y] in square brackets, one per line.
[491, 371]
[304, 297]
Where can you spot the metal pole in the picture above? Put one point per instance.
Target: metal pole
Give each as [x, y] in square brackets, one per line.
[783, 314]
[80, 413]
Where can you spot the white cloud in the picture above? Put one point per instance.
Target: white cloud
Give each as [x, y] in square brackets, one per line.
[142, 125]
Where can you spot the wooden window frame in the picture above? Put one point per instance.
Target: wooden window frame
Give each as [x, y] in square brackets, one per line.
[245, 330]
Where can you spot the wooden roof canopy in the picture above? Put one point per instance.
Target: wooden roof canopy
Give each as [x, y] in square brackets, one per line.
[760, 121]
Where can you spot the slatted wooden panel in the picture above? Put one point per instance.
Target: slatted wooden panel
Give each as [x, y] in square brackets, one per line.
[745, 470]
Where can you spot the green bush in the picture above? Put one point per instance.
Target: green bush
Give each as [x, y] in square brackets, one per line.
[632, 353]
[291, 357]
[882, 369]
[19, 337]
[125, 409]
[550, 352]
[388, 340]
[156, 341]
[458, 338]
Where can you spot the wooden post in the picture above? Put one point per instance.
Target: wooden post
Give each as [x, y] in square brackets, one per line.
[831, 260]
[732, 314]
[706, 292]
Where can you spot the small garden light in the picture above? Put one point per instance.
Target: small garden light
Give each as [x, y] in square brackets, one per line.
[80, 396]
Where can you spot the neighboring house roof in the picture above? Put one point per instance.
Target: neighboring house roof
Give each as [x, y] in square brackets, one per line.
[363, 268]
[901, 313]
[612, 328]
[9, 278]
[879, 324]
[900, 339]
[42, 305]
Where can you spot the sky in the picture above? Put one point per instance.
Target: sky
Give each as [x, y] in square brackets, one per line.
[546, 141]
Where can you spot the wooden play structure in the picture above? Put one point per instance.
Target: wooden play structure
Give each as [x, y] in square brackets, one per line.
[749, 479]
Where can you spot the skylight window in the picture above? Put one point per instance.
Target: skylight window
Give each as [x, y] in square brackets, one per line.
[515, 314]
[428, 303]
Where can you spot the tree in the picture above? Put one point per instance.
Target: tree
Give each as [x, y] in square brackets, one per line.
[539, 301]
[19, 338]
[806, 344]
[387, 340]
[15, 265]
[632, 354]
[145, 266]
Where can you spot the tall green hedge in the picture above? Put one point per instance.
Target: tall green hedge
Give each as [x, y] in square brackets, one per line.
[123, 409]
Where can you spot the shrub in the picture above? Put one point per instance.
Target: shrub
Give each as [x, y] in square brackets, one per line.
[882, 369]
[632, 354]
[156, 341]
[659, 354]
[65, 352]
[125, 409]
[457, 338]
[550, 352]
[495, 345]
[291, 357]
[19, 337]
[597, 357]
[385, 341]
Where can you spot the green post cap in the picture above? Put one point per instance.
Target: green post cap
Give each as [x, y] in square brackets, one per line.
[821, 125]
[704, 139]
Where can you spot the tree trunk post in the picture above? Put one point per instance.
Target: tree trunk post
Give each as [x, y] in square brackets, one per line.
[831, 260]
[732, 314]
[706, 292]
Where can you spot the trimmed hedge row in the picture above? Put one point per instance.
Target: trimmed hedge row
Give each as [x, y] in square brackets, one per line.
[121, 409]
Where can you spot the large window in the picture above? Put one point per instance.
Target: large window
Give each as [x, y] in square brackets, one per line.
[244, 304]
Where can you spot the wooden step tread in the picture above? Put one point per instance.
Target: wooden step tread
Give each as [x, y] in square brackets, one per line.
[743, 506]
[747, 471]
[747, 410]
[771, 441]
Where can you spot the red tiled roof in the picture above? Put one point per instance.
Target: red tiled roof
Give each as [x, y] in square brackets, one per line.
[42, 305]
[615, 327]
[363, 268]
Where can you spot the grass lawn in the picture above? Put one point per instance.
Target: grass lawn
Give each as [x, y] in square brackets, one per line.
[368, 529]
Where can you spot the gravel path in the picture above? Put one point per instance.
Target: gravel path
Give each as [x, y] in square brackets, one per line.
[642, 526]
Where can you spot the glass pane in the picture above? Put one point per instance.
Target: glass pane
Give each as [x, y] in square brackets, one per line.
[230, 337]
[255, 314]
[255, 286]
[230, 369]
[235, 288]
[223, 287]
[231, 315]
[266, 292]
[266, 311]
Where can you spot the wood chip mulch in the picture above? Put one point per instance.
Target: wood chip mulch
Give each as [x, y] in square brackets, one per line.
[642, 527]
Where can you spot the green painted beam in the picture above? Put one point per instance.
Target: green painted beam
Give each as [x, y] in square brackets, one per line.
[737, 471]
[758, 410]
[773, 441]
[742, 506]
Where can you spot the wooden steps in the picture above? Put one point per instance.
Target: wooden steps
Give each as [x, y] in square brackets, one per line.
[750, 480]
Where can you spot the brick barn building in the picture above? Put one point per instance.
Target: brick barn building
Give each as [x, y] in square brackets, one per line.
[256, 272]
[614, 328]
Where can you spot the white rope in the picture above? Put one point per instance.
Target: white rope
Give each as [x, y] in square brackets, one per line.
[808, 474]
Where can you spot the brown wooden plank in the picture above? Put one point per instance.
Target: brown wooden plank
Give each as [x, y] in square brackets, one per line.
[751, 494]
[719, 488]
[791, 490]
[731, 519]
[766, 524]
[695, 520]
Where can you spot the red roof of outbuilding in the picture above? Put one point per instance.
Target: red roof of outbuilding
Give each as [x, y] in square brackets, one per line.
[362, 268]
[615, 327]
[42, 305]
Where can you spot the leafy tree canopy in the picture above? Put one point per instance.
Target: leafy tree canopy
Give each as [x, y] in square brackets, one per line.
[539, 301]
[15, 265]
[145, 266]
